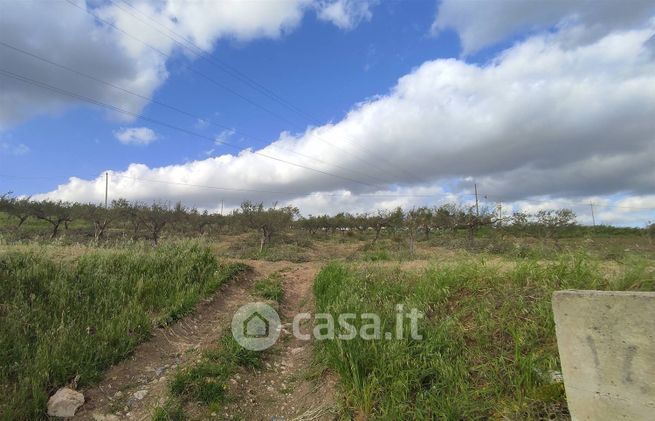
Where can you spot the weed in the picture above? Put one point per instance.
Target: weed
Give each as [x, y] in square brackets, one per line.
[62, 319]
[207, 380]
[171, 411]
[488, 335]
[270, 287]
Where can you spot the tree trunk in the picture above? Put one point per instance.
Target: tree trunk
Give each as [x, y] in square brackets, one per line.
[55, 229]
[411, 242]
[471, 235]
[22, 220]
[377, 234]
[263, 240]
[99, 230]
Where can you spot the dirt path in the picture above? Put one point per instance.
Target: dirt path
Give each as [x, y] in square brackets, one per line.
[281, 390]
[133, 387]
[288, 388]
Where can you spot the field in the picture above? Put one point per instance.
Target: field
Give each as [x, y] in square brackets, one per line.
[67, 319]
[73, 310]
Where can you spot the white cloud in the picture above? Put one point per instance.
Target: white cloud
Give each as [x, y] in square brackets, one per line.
[543, 119]
[135, 136]
[483, 23]
[201, 123]
[346, 14]
[118, 50]
[62, 33]
[7, 148]
[224, 136]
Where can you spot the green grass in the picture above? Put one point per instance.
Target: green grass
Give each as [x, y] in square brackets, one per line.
[206, 381]
[171, 411]
[270, 287]
[377, 255]
[488, 337]
[62, 319]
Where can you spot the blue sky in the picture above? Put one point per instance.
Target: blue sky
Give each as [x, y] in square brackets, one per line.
[318, 68]
[454, 64]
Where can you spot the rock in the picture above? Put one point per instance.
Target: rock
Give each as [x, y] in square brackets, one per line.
[140, 394]
[555, 376]
[296, 350]
[64, 403]
[105, 417]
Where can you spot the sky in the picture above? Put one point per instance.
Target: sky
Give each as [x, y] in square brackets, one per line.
[333, 105]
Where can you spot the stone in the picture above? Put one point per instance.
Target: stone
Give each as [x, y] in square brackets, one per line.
[140, 394]
[555, 377]
[606, 344]
[105, 417]
[64, 403]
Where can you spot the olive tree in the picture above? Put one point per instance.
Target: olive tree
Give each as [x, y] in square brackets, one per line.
[55, 213]
[99, 216]
[553, 221]
[18, 208]
[267, 221]
[155, 217]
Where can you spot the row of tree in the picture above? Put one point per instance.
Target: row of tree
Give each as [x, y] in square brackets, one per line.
[448, 217]
[141, 220]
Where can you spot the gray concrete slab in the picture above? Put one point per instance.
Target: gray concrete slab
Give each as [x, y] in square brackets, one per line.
[606, 344]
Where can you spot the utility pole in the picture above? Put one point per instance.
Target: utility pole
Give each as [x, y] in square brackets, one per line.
[106, 188]
[477, 209]
[221, 207]
[593, 218]
[500, 214]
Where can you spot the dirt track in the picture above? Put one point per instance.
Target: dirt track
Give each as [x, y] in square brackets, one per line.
[281, 390]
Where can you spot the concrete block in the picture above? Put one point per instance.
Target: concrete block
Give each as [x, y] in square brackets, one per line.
[606, 344]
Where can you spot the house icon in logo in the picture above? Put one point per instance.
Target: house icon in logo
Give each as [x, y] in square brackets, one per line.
[256, 326]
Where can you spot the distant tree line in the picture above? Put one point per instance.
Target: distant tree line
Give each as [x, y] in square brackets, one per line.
[139, 220]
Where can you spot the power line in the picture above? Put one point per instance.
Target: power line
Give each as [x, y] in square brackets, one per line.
[169, 57]
[170, 107]
[226, 67]
[168, 125]
[253, 83]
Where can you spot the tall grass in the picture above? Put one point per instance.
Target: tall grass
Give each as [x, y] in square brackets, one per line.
[488, 345]
[62, 319]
